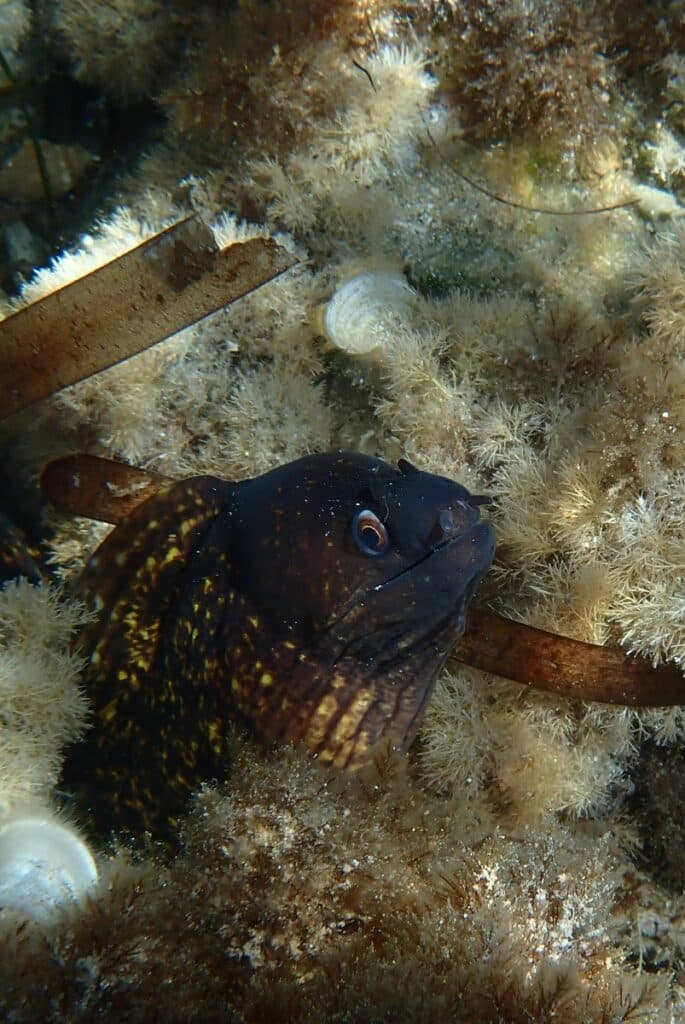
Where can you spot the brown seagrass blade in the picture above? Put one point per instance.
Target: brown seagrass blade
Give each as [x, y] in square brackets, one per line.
[104, 489]
[571, 668]
[172, 280]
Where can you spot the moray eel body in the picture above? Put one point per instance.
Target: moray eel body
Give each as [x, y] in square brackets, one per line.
[18, 557]
[317, 603]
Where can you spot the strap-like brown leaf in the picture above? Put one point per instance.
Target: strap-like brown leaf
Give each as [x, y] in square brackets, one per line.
[85, 485]
[170, 281]
[571, 668]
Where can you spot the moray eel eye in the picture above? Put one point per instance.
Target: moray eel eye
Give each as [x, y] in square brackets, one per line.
[370, 535]
[447, 521]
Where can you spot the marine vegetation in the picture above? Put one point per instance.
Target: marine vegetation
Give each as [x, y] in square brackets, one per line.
[511, 864]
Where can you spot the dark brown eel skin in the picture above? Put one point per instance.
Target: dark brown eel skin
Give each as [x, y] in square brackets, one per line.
[316, 603]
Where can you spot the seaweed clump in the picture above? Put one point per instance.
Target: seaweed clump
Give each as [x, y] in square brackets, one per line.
[304, 897]
[539, 68]
[42, 705]
[124, 46]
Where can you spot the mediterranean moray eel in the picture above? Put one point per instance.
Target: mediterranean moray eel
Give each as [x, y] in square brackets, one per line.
[317, 603]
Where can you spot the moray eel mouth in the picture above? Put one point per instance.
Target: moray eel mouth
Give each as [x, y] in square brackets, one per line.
[418, 606]
[315, 603]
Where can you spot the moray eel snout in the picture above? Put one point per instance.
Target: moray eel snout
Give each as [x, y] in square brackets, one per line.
[315, 603]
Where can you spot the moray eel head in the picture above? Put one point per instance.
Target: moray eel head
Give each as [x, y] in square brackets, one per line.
[368, 571]
[316, 603]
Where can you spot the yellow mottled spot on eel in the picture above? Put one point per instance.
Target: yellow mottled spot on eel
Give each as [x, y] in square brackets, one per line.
[109, 712]
[186, 526]
[318, 726]
[215, 734]
[349, 721]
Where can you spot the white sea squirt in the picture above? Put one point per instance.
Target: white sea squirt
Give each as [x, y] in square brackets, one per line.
[364, 314]
[45, 866]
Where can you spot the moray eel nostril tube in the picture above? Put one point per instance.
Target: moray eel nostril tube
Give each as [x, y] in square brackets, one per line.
[316, 603]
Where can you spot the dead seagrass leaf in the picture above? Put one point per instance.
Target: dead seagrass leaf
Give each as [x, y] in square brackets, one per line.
[169, 282]
[571, 668]
[86, 485]
[102, 489]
